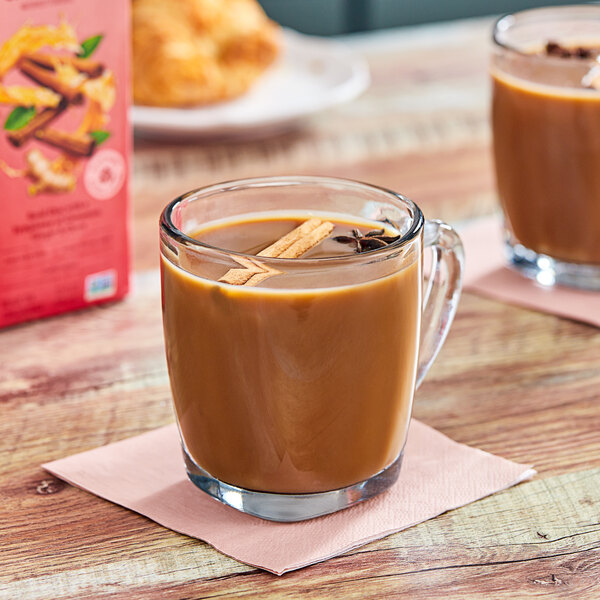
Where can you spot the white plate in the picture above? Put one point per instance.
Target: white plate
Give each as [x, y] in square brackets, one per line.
[311, 74]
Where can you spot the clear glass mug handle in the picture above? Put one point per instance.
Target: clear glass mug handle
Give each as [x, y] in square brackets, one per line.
[440, 299]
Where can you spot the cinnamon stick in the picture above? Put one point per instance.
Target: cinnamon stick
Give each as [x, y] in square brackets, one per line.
[282, 244]
[50, 80]
[292, 245]
[308, 241]
[91, 68]
[20, 136]
[251, 270]
[72, 143]
[592, 78]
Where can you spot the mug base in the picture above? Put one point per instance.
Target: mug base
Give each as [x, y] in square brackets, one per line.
[548, 271]
[291, 507]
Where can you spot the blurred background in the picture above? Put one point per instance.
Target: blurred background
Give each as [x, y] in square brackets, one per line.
[347, 16]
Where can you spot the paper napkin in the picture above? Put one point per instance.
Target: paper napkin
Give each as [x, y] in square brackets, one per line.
[146, 474]
[487, 274]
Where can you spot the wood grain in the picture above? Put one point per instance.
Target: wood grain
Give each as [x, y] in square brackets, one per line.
[514, 382]
[503, 387]
[493, 544]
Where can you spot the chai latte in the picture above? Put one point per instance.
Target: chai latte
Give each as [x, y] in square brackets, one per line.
[547, 155]
[289, 386]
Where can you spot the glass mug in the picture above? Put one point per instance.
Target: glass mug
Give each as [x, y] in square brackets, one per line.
[546, 138]
[293, 398]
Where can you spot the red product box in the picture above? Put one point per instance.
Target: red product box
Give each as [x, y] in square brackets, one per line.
[64, 155]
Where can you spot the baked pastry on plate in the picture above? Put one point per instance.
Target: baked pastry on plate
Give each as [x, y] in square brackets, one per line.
[195, 52]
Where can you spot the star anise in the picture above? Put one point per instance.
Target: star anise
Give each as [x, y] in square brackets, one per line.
[372, 240]
[556, 49]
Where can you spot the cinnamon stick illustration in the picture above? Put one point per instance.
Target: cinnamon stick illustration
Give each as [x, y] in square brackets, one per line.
[292, 245]
[50, 80]
[91, 68]
[74, 144]
[20, 136]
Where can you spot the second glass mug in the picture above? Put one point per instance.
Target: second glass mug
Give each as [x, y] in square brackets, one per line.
[293, 399]
[546, 141]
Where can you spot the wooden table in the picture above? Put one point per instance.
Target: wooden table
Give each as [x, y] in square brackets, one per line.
[510, 381]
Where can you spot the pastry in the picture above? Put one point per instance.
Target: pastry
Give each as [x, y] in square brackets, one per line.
[194, 52]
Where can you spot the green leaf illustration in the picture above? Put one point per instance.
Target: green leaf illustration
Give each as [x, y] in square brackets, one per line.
[88, 46]
[100, 136]
[19, 117]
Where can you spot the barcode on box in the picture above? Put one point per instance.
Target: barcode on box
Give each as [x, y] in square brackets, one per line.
[100, 285]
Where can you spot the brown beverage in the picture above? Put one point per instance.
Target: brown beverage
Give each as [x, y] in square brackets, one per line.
[284, 388]
[547, 154]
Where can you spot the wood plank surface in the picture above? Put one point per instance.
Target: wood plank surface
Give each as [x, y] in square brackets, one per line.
[514, 382]
[526, 404]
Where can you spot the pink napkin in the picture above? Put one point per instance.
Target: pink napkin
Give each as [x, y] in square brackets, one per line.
[146, 474]
[486, 274]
